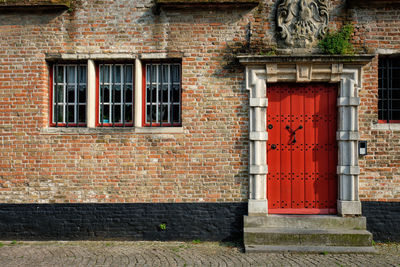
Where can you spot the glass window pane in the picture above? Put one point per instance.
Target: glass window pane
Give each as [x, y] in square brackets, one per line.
[117, 73]
[175, 94]
[58, 109]
[59, 71]
[128, 94]
[165, 94]
[105, 114]
[117, 114]
[106, 97]
[82, 74]
[176, 115]
[82, 114]
[164, 113]
[128, 113]
[104, 74]
[154, 73]
[71, 114]
[175, 74]
[82, 94]
[117, 93]
[71, 74]
[71, 94]
[59, 95]
[152, 93]
[128, 73]
[151, 112]
[396, 115]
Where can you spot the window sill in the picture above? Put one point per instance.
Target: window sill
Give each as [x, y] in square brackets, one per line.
[386, 126]
[110, 130]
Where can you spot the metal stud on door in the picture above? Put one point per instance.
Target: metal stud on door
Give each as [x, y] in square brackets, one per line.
[302, 148]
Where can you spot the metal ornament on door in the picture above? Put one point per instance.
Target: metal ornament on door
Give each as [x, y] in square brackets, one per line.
[302, 148]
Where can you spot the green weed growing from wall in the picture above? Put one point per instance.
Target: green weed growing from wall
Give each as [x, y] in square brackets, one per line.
[338, 42]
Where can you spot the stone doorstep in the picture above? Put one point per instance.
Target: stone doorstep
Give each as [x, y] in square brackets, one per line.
[305, 237]
[306, 222]
[308, 249]
[307, 233]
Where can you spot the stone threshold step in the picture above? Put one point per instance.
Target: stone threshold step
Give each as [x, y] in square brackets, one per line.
[306, 222]
[309, 249]
[306, 237]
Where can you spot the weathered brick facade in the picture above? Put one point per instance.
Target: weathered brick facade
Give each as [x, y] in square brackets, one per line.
[205, 160]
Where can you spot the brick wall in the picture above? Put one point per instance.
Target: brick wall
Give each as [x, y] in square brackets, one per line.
[377, 32]
[208, 160]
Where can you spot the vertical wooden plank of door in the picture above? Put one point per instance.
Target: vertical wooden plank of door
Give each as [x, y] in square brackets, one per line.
[309, 146]
[333, 155]
[297, 147]
[322, 140]
[273, 155]
[285, 148]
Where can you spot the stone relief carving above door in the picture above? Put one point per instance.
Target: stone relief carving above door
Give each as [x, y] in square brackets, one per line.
[301, 22]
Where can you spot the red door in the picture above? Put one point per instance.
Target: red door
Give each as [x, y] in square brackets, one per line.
[302, 148]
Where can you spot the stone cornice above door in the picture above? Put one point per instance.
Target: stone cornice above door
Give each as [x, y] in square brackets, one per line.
[304, 68]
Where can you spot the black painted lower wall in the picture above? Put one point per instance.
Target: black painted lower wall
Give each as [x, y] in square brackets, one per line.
[383, 219]
[142, 221]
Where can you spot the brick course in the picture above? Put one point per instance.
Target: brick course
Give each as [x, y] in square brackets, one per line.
[208, 161]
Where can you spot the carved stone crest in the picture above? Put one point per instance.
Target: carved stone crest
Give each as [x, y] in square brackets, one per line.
[301, 22]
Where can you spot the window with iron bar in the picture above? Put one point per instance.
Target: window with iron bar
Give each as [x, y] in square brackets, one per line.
[68, 95]
[115, 95]
[389, 90]
[162, 94]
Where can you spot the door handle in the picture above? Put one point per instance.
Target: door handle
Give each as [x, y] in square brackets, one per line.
[294, 132]
[273, 146]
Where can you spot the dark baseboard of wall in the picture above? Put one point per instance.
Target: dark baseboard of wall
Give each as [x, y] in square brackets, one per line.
[383, 219]
[136, 221]
[142, 221]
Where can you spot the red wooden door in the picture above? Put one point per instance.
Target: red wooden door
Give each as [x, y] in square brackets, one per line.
[302, 148]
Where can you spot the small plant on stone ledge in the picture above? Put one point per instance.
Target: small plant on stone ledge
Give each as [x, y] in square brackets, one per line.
[338, 42]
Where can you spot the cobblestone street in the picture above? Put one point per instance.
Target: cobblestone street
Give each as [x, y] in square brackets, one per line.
[176, 254]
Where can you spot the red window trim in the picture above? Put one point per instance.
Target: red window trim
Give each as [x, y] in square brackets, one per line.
[388, 121]
[98, 124]
[144, 123]
[51, 82]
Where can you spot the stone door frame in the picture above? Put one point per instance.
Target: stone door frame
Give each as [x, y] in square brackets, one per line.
[344, 70]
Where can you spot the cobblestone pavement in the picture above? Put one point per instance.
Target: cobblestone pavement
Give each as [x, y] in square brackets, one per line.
[176, 254]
